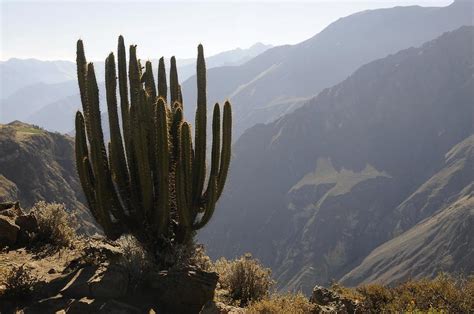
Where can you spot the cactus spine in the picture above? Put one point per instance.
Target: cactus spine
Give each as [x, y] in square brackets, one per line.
[150, 182]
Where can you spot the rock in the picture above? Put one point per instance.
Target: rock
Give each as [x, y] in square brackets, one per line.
[182, 291]
[82, 305]
[323, 296]
[13, 207]
[10, 209]
[105, 282]
[28, 227]
[27, 223]
[116, 307]
[111, 283]
[78, 286]
[221, 308]
[8, 231]
[329, 301]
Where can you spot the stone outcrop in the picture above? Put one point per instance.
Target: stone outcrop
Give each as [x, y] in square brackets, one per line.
[15, 226]
[329, 301]
[99, 282]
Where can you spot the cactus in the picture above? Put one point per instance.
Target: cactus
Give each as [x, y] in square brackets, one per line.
[150, 182]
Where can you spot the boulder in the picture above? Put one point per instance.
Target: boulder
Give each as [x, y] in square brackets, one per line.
[8, 231]
[104, 282]
[78, 286]
[27, 223]
[329, 301]
[10, 209]
[110, 283]
[182, 291]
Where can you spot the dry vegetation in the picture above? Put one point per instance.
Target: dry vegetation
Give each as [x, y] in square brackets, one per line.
[245, 279]
[244, 282]
[19, 283]
[282, 303]
[55, 224]
[444, 293]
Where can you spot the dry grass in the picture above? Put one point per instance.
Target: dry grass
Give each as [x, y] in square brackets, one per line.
[244, 278]
[19, 283]
[282, 304]
[200, 259]
[55, 224]
[135, 259]
[445, 293]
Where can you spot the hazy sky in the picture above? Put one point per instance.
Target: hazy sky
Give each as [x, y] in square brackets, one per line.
[48, 30]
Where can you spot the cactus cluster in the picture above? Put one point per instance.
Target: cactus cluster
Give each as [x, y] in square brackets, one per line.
[150, 181]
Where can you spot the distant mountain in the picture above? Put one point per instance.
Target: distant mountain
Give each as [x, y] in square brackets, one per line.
[29, 99]
[45, 93]
[313, 193]
[233, 57]
[37, 165]
[280, 79]
[18, 73]
[443, 240]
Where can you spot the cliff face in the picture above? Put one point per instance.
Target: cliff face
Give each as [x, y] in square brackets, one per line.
[38, 165]
[313, 193]
[443, 240]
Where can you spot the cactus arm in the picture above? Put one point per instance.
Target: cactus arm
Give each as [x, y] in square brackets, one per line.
[85, 175]
[226, 148]
[211, 199]
[216, 141]
[123, 88]
[134, 80]
[199, 167]
[174, 82]
[105, 197]
[118, 164]
[161, 213]
[162, 85]
[180, 96]
[81, 63]
[187, 156]
[150, 81]
[141, 153]
[184, 209]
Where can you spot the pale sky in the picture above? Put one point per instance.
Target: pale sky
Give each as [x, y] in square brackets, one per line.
[48, 30]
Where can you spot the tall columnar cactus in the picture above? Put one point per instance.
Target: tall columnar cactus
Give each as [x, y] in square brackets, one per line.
[150, 180]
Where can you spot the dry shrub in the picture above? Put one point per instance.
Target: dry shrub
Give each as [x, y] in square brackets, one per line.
[245, 279]
[375, 297]
[135, 259]
[282, 304]
[444, 293]
[200, 259]
[344, 292]
[19, 283]
[55, 224]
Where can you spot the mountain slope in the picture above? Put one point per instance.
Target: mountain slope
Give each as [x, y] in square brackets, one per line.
[279, 79]
[444, 241]
[18, 73]
[316, 191]
[37, 165]
[29, 99]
